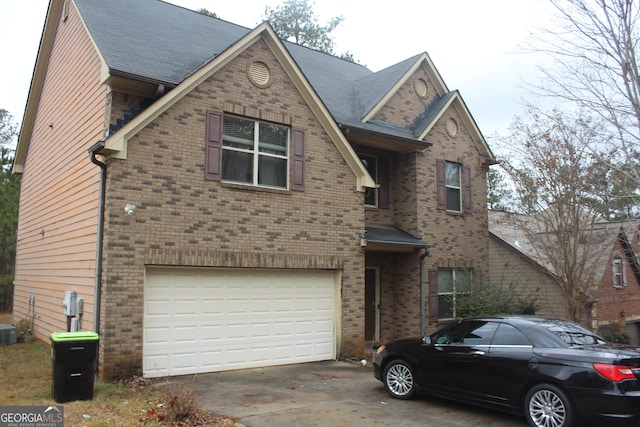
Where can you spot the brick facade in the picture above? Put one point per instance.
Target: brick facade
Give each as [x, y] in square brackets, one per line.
[181, 219]
[619, 304]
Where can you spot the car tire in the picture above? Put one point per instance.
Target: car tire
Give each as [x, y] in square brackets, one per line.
[546, 405]
[399, 379]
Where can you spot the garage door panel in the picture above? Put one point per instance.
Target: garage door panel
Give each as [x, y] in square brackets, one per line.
[157, 307]
[260, 330]
[202, 321]
[159, 363]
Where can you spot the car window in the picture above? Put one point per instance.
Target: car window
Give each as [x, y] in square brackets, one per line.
[509, 335]
[468, 333]
[573, 334]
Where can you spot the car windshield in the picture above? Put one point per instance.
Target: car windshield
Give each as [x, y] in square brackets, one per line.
[574, 335]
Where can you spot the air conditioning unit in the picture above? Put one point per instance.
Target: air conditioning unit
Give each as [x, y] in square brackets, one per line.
[7, 334]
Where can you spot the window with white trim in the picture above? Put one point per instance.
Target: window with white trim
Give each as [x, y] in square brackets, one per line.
[451, 284]
[371, 163]
[454, 187]
[617, 270]
[255, 152]
[453, 183]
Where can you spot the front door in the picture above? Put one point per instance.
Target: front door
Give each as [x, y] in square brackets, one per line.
[372, 305]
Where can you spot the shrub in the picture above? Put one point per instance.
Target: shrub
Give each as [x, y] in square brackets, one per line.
[487, 299]
[24, 331]
[614, 332]
[177, 407]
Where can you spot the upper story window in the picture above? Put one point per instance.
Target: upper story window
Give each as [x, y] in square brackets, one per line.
[617, 269]
[454, 187]
[371, 163]
[453, 184]
[377, 163]
[253, 152]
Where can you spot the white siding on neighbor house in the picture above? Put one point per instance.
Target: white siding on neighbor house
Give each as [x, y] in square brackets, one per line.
[205, 320]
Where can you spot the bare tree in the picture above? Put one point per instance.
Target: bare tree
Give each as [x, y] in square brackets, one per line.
[550, 171]
[593, 48]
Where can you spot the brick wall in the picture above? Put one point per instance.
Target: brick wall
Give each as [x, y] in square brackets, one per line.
[181, 219]
[611, 300]
[456, 240]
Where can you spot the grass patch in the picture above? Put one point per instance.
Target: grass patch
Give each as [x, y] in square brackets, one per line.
[26, 377]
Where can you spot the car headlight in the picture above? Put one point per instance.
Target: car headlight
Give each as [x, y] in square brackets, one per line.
[380, 349]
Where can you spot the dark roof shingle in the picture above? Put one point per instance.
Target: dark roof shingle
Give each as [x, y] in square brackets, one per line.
[155, 41]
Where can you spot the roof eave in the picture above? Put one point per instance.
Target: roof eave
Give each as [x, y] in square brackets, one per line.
[382, 140]
[37, 81]
[430, 69]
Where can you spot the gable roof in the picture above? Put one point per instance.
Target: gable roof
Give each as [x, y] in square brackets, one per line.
[157, 42]
[509, 228]
[154, 41]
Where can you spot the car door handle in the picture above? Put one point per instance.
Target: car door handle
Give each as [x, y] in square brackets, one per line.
[477, 353]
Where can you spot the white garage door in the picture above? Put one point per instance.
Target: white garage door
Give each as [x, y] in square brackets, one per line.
[201, 320]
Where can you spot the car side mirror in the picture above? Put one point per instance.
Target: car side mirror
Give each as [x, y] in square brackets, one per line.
[426, 340]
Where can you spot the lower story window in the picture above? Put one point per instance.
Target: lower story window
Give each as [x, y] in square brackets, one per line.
[255, 152]
[451, 284]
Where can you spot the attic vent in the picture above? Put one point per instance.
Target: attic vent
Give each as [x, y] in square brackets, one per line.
[421, 88]
[259, 74]
[452, 127]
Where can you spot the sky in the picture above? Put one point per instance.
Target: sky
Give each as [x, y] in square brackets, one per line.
[476, 45]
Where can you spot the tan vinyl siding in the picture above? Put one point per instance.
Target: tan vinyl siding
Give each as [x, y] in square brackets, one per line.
[57, 228]
[510, 267]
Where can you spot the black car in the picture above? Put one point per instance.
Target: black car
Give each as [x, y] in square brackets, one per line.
[555, 372]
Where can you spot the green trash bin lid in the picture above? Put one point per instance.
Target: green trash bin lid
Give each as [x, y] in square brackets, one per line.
[74, 336]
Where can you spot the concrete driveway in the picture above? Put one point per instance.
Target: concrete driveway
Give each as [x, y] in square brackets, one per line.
[327, 394]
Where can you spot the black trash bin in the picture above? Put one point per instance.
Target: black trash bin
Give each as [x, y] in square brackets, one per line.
[74, 357]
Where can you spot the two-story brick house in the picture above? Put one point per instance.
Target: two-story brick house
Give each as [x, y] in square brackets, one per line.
[220, 198]
[617, 296]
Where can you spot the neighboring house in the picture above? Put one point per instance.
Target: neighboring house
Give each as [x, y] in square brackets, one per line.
[615, 294]
[513, 261]
[222, 199]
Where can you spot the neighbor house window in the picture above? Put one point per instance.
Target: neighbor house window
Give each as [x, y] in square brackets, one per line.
[254, 152]
[617, 268]
[371, 163]
[454, 187]
[451, 285]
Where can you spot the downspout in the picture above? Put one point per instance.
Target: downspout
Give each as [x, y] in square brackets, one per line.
[103, 180]
[424, 253]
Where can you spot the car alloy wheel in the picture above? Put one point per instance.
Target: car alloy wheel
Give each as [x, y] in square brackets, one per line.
[547, 406]
[399, 380]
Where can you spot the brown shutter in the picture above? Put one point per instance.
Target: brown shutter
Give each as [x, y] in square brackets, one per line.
[213, 146]
[442, 189]
[466, 189]
[383, 182]
[433, 295]
[297, 158]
